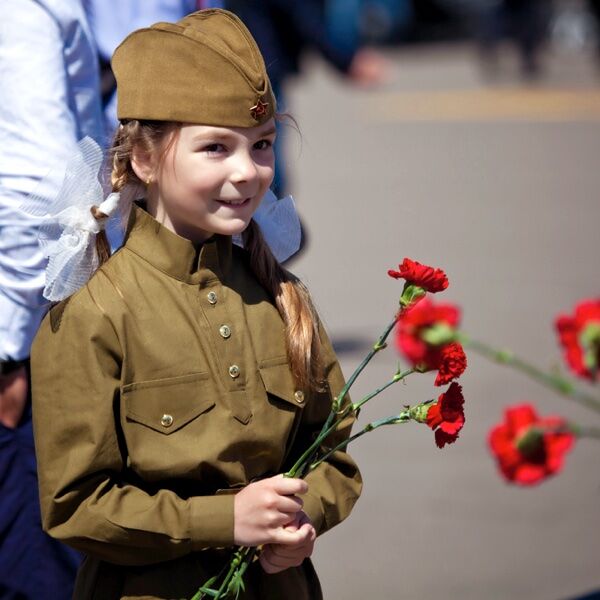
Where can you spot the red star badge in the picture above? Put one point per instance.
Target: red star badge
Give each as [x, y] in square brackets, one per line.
[259, 109]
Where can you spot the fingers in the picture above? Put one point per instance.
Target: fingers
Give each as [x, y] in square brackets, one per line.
[277, 557]
[284, 552]
[267, 511]
[294, 537]
[288, 504]
[273, 562]
[289, 486]
[267, 565]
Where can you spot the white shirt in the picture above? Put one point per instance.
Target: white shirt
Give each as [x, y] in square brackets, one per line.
[49, 99]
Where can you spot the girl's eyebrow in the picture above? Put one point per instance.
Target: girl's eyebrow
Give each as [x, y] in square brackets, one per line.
[212, 135]
[224, 135]
[268, 132]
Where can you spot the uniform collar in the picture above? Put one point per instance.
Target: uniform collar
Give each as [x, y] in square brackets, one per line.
[178, 257]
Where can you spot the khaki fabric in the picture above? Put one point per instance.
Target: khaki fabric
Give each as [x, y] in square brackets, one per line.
[204, 69]
[159, 389]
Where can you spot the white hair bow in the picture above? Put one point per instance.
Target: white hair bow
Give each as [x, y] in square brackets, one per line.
[66, 225]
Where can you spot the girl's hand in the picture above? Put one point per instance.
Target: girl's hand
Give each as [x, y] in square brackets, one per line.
[278, 557]
[262, 509]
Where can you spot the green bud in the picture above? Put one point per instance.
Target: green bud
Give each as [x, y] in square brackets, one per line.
[410, 293]
[589, 340]
[439, 334]
[419, 412]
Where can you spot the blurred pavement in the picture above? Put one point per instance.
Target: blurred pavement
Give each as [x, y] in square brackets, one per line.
[500, 186]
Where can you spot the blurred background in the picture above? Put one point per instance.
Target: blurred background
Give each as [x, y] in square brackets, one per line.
[479, 153]
[464, 134]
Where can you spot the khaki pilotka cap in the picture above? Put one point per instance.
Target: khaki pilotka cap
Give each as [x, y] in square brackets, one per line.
[205, 69]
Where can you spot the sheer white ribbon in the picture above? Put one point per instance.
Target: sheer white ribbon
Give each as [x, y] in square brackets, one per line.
[67, 228]
[279, 224]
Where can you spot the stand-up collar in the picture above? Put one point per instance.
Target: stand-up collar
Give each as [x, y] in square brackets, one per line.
[178, 257]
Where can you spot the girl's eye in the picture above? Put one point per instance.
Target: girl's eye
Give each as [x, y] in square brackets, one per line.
[263, 144]
[213, 148]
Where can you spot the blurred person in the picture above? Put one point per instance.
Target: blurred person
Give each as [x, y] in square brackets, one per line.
[522, 20]
[342, 18]
[49, 99]
[284, 29]
[595, 8]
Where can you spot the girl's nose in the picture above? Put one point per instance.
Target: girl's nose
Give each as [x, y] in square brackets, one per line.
[244, 169]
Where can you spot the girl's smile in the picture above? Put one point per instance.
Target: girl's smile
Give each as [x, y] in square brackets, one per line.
[242, 202]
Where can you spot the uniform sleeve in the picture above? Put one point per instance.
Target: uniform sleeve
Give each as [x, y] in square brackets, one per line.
[88, 497]
[335, 485]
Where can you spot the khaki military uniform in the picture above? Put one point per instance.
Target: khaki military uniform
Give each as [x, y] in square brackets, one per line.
[159, 389]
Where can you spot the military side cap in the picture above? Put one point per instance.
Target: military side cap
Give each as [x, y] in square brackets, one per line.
[205, 69]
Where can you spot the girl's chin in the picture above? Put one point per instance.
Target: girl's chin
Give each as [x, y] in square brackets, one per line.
[232, 226]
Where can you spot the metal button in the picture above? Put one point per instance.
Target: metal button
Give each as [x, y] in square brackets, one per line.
[212, 297]
[225, 331]
[166, 420]
[234, 371]
[299, 395]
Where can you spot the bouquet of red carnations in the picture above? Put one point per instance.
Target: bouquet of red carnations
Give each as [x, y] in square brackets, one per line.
[444, 415]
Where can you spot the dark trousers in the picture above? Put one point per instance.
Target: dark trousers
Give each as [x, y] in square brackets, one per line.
[32, 565]
[521, 20]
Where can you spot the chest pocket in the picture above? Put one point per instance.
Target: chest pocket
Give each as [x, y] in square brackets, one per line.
[279, 382]
[286, 401]
[167, 405]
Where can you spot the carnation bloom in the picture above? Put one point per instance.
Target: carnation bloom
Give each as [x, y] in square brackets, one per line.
[452, 365]
[447, 416]
[412, 324]
[428, 278]
[529, 449]
[579, 336]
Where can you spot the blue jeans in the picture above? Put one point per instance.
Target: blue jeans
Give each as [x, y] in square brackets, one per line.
[32, 564]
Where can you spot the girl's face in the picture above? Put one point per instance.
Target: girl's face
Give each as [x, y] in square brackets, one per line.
[212, 179]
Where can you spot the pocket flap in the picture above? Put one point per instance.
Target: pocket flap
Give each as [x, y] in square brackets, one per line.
[279, 381]
[166, 405]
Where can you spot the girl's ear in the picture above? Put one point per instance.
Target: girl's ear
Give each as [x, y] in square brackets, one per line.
[142, 163]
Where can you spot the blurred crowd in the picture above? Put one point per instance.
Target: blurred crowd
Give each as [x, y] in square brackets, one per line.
[56, 87]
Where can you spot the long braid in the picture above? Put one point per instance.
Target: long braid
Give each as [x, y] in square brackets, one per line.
[295, 306]
[127, 135]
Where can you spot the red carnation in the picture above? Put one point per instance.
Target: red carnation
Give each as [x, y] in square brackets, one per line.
[447, 416]
[579, 336]
[428, 278]
[529, 449]
[452, 364]
[449, 358]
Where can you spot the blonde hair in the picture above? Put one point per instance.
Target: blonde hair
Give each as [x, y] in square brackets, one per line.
[288, 293]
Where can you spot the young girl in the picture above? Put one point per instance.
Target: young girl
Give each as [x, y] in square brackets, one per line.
[172, 389]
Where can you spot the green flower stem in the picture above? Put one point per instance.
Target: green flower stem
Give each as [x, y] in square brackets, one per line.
[356, 407]
[379, 345]
[403, 417]
[558, 383]
[308, 456]
[237, 561]
[580, 431]
[233, 565]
